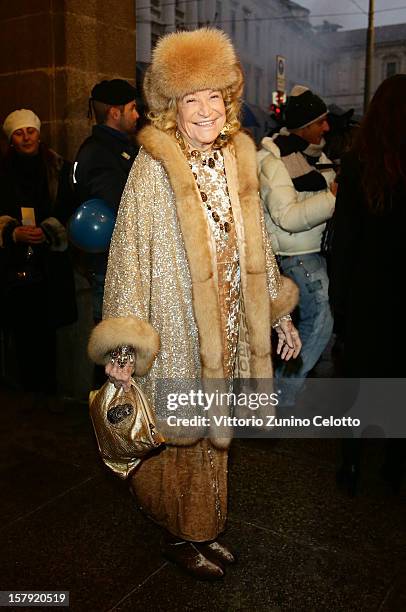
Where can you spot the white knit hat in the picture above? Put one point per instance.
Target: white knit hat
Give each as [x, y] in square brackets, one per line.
[18, 119]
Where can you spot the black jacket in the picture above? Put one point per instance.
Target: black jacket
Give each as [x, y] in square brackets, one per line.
[41, 182]
[367, 269]
[102, 166]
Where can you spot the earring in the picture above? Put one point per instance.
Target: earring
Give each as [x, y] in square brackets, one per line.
[224, 133]
[180, 140]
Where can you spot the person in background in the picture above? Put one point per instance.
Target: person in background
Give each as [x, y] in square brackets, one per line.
[368, 259]
[192, 286]
[36, 279]
[339, 140]
[298, 199]
[104, 160]
[342, 133]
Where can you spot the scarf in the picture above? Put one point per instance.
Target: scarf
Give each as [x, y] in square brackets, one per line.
[300, 159]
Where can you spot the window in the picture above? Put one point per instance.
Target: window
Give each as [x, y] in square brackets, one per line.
[157, 30]
[342, 79]
[391, 69]
[247, 71]
[218, 16]
[156, 11]
[233, 18]
[258, 81]
[313, 71]
[247, 15]
[179, 14]
[257, 39]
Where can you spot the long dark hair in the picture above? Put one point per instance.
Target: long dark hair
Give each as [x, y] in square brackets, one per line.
[381, 143]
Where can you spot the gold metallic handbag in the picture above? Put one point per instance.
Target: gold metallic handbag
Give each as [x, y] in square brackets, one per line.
[124, 425]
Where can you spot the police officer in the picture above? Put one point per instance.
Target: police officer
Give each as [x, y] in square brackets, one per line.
[104, 161]
[105, 158]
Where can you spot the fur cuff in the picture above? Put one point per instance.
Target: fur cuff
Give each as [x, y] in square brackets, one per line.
[55, 233]
[118, 331]
[287, 300]
[7, 226]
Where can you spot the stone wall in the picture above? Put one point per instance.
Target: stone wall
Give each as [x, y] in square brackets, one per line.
[52, 52]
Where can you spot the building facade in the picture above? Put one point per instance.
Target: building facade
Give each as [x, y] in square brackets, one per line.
[260, 30]
[346, 66]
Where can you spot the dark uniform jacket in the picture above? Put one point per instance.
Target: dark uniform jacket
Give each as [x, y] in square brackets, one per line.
[100, 170]
[102, 166]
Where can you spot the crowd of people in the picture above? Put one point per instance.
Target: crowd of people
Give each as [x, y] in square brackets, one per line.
[216, 252]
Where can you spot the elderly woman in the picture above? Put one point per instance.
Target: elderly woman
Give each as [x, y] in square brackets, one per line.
[36, 278]
[192, 285]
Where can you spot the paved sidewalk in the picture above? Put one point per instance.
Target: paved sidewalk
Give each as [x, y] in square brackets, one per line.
[67, 524]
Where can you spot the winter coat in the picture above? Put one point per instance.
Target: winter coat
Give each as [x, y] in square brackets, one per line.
[41, 182]
[160, 292]
[367, 262]
[100, 170]
[102, 166]
[295, 220]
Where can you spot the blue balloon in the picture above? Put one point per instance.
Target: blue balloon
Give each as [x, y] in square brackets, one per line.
[91, 226]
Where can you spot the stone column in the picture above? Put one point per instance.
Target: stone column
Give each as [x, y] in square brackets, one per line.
[52, 52]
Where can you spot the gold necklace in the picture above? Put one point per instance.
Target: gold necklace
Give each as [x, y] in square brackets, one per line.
[224, 223]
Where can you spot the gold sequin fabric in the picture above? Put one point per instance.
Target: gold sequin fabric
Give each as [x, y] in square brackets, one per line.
[183, 488]
[272, 270]
[148, 273]
[210, 176]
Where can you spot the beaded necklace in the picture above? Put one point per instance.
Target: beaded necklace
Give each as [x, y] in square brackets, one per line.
[208, 158]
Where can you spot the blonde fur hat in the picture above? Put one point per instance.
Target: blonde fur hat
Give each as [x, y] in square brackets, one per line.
[185, 62]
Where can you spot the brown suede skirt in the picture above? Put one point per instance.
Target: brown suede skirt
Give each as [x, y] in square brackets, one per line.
[184, 489]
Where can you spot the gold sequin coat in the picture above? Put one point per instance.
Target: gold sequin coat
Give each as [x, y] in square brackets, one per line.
[160, 290]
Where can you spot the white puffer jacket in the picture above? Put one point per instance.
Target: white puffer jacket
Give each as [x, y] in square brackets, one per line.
[295, 220]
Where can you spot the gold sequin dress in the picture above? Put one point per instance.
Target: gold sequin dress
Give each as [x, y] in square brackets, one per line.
[210, 175]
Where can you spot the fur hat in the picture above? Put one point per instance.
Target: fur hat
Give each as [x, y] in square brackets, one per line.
[185, 62]
[22, 118]
[303, 108]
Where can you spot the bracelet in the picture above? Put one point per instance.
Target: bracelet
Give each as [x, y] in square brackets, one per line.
[122, 355]
[286, 317]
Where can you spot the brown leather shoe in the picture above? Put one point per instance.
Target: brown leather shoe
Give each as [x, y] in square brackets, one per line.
[216, 552]
[191, 560]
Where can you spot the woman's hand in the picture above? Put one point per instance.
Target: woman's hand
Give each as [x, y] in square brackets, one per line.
[289, 343]
[120, 376]
[29, 234]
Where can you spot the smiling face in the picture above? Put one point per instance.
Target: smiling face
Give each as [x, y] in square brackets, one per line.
[26, 140]
[200, 117]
